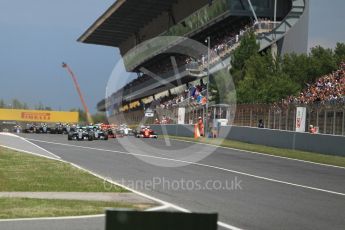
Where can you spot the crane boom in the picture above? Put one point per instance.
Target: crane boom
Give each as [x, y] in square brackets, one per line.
[76, 84]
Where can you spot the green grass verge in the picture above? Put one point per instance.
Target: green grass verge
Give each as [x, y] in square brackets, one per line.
[25, 207]
[294, 154]
[23, 172]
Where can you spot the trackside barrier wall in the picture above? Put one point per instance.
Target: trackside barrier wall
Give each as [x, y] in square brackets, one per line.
[40, 116]
[318, 143]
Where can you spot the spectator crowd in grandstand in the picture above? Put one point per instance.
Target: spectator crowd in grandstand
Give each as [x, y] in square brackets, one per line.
[194, 94]
[222, 44]
[327, 89]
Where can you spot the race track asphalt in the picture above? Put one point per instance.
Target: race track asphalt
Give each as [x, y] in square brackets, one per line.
[266, 193]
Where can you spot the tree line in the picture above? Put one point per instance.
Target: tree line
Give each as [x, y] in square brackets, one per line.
[260, 77]
[98, 117]
[16, 104]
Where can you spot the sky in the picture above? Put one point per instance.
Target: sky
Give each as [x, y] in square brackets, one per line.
[36, 36]
[326, 23]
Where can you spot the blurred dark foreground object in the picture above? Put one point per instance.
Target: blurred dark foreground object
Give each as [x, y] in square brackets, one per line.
[120, 219]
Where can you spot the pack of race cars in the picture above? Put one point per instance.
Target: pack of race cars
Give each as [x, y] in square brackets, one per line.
[104, 132]
[90, 132]
[44, 128]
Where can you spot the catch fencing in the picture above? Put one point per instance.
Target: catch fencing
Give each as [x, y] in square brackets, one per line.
[329, 118]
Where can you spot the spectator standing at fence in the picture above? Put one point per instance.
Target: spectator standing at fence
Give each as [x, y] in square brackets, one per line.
[201, 126]
[312, 129]
[261, 124]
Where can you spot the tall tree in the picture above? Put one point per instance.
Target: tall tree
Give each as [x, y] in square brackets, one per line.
[222, 89]
[99, 117]
[265, 81]
[298, 68]
[2, 103]
[323, 61]
[82, 115]
[248, 47]
[40, 106]
[16, 104]
[340, 52]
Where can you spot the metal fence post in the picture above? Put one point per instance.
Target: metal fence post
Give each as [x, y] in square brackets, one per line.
[286, 119]
[274, 119]
[343, 124]
[269, 118]
[334, 118]
[294, 120]
[309, 118]
[325, 122]
[280, 119]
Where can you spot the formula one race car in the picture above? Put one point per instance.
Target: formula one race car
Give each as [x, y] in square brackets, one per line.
[119, 133]
[80, 134]
[125, 130]
[146, 132]
[58, 129]
[111, 133]
[17, 129]
[43, 128]
[99, 134]
[30, 128]
[67, 128]
[109, 129]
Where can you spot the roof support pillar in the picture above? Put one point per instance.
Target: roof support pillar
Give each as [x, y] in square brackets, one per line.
[275, 11]
[172, 17]
[253, 11]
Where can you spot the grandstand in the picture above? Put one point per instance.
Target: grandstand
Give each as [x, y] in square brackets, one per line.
[278, 24]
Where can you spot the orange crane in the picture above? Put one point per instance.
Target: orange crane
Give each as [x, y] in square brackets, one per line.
[74, 78]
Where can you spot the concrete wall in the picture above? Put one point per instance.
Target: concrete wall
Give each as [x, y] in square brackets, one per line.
[325, 144]
[296, 40]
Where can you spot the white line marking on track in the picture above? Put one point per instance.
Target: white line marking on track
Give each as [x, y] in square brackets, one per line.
[40, 147]
[262, 154]
[203, 165]
[28, 152]
[53, 218]
[164, 203]
[224, 225]
[8, 134]
[159, 208]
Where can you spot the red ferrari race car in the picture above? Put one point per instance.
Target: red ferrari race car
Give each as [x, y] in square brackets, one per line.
[146, 132]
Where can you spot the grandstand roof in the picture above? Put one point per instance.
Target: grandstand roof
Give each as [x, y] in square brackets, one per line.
[123, 19]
